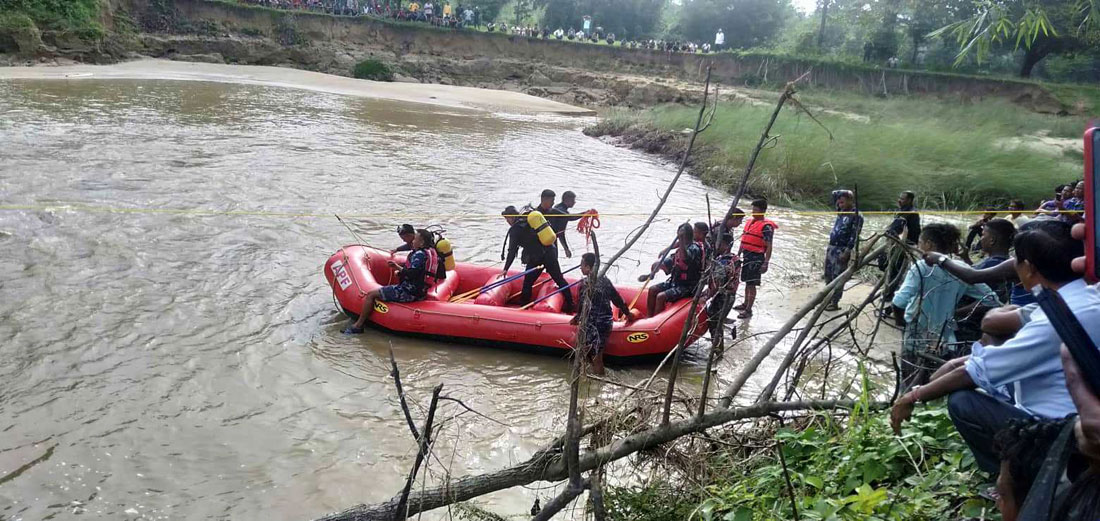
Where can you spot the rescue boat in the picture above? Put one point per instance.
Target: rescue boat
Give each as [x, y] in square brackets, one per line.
[494, 318]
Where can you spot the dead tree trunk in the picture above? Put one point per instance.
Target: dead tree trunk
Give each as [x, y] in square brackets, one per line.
[547, 465]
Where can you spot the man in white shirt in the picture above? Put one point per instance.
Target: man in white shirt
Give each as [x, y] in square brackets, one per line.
[1028, 362]
[1017, 215]
[719, 40]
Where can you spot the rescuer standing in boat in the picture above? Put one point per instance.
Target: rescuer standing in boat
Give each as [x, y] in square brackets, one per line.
[535, 254]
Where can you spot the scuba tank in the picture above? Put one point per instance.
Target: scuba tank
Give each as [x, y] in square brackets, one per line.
[443, 246]
[537, 222]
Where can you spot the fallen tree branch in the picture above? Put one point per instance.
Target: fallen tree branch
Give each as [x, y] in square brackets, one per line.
[546, 465]
[468, 408]
[672, 184]
[402, 504]
[580, 355]
[788, 94]
[827, 337]
[766, 394]
[763, 352]
[396, 374]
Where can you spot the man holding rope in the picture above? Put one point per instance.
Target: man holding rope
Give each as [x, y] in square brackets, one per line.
[559, 224]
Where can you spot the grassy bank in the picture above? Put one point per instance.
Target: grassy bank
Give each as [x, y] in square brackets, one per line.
[847, 469]
[954, 154]
[79, 17]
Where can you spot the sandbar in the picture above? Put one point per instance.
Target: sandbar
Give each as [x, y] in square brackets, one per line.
[445, 95]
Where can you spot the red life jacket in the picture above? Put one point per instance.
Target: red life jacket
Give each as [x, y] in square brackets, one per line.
[680, 265]
[431, 267]
[752, 239]
[683, 273]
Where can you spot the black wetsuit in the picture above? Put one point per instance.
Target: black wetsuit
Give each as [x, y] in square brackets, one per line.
[520, 235]
[559, 224]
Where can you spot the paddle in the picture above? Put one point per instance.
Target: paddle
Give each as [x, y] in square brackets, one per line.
[652, 273]
[477, 291]
[551, 294]
[541, 282]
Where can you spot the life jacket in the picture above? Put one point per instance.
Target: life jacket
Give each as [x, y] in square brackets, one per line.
[684, 273]
[704, 246]
[752, 239]
[431, 268]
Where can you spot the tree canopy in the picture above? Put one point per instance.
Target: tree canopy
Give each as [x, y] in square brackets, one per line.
[1050, 39]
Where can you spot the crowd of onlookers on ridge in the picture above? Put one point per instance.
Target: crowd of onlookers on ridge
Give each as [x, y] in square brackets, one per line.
[975, 335]
[458, 16]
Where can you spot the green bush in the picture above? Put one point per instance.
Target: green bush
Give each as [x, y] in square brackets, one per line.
[15, 21]
[859, 471]
[840, 470]
[76, 16]
[372, 70]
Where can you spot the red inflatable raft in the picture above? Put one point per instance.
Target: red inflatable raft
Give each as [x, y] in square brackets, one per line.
[494, 319]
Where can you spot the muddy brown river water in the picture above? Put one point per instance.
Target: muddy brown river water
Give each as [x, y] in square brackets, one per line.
[159, 361]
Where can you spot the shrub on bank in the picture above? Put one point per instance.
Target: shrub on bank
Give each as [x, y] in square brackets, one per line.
[842, 470]
[372, 70]
[80, 17]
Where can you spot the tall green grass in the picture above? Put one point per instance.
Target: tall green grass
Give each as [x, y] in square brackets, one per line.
[952, 154]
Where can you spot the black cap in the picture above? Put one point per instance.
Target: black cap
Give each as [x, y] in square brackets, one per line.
[548, 193]
[510, 210]
[405, 228]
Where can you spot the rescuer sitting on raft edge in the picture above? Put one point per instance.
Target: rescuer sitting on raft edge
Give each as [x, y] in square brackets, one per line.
[422, 266]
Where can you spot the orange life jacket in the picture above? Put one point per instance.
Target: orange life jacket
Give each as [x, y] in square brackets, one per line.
[752, 239]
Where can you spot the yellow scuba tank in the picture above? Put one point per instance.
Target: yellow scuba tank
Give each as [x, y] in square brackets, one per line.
[443, 246]
[537, 222]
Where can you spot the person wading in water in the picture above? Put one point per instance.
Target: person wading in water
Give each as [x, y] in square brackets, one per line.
[599, 313]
